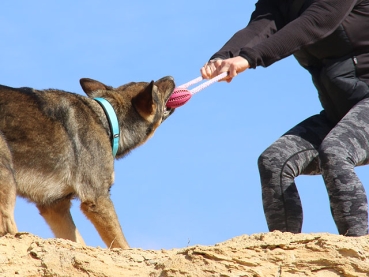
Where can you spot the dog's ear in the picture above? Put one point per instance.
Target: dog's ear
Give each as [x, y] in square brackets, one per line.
[144, 100]
[92, 87]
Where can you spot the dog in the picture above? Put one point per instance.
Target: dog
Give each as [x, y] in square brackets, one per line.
[57, 145]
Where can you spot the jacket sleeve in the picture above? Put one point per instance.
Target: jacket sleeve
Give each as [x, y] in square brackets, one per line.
[318, 21]
[263, 24]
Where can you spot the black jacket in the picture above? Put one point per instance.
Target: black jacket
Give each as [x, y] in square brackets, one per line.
[329, 38]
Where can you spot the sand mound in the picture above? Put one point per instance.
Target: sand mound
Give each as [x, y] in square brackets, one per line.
[273, 254]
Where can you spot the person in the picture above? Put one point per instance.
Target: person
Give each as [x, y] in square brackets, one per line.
[330, 39]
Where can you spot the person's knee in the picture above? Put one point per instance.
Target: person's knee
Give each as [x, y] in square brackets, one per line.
[271, 161]
[325, 153]
[266, 160]
[262, 161]
[333, 152]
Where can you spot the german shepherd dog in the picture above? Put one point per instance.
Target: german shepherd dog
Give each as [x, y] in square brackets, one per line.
[57, 145]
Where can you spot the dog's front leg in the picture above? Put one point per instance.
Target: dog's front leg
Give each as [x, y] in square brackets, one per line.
[103, 216]
[7, 203]
[58, 217]
[7, 190]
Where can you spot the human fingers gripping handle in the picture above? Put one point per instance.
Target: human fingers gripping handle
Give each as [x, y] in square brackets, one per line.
[207, 71]
[233, 66]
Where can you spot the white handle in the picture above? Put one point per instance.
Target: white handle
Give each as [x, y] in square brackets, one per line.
[204, 85]
[208, 83]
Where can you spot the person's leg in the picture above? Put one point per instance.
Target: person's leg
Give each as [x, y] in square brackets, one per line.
[346, 146]
[293, 154]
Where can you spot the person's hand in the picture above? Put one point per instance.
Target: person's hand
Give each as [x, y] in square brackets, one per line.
[233, 66]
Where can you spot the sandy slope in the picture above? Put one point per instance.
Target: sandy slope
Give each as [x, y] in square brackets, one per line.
[261, 255]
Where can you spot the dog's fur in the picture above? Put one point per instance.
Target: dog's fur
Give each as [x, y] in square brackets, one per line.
[56, 145]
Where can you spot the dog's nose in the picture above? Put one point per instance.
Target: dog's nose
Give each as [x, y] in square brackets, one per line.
[167, 78]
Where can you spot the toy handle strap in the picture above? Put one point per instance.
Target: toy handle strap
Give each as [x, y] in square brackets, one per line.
[204, 85]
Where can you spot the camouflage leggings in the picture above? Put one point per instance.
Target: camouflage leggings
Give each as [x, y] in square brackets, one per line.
[314, 147]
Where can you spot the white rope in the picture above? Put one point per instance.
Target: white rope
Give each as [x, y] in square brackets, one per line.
[192, 82]
[204, 85]
[208, 83]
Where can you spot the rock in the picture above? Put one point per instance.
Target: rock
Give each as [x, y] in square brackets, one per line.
[272, 254]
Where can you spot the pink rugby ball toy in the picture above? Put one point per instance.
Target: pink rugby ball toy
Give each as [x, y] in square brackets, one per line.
[181, 95]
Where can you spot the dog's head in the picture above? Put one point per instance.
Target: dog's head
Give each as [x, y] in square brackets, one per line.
[140, 108]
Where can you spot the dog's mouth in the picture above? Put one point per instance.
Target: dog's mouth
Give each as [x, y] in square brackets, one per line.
[167, 111]
[166, 85]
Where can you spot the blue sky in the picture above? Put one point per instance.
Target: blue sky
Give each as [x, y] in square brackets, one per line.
[196, 181]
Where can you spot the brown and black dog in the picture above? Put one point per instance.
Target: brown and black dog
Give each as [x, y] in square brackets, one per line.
[56, 145]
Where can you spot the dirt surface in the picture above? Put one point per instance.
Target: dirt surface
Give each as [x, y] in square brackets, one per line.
[273, 254]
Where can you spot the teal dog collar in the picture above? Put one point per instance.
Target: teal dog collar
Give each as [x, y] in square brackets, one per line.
[113, 122]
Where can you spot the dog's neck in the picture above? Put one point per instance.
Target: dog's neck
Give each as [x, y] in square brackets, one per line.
[113, 123]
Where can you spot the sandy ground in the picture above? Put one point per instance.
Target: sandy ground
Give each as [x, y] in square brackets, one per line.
[273, 254]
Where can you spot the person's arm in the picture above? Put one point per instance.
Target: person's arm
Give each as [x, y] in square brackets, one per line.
[263, 23]
[318, 21]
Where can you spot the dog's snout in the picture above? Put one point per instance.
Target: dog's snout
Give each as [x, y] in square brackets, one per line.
[170, 78]
[166, 78]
